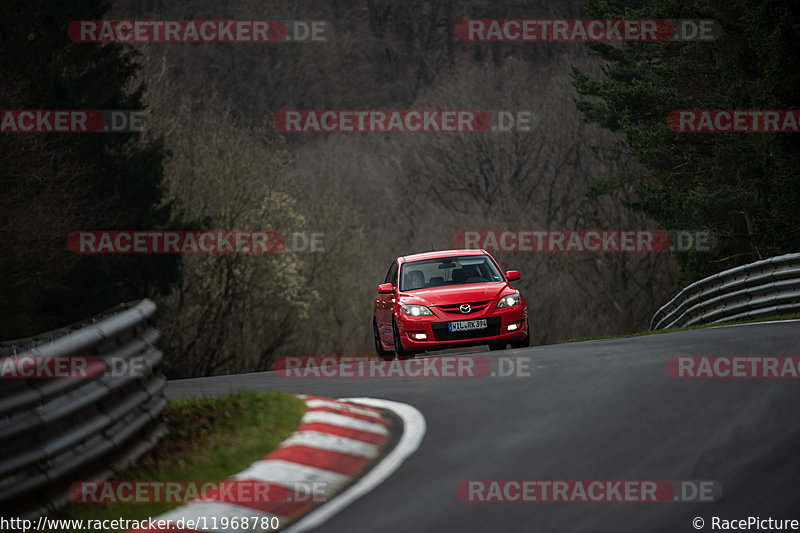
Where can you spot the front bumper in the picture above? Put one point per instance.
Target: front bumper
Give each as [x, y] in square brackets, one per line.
[437, 335]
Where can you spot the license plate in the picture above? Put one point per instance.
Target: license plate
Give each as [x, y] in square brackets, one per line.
[467, 325]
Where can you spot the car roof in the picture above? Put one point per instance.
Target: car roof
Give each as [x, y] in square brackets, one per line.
[442, 253]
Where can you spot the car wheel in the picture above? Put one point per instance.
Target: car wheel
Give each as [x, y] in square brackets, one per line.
[379, 349]
[498, 346]
[524, 343]
[398, 346]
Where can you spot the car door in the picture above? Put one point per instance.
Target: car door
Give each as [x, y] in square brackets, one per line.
[384, 305]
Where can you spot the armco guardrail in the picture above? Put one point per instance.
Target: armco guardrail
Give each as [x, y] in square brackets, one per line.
[764, 288]
[56, 431]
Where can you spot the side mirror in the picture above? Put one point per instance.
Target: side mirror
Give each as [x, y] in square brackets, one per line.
[512, 275]
[385, 288]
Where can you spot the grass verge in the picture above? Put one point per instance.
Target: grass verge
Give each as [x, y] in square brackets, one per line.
[210, 439]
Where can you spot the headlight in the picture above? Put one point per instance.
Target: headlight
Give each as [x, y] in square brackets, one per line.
[508, 301]
[416, 310]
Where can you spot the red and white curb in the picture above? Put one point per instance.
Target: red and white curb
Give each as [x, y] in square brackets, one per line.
[312, 471]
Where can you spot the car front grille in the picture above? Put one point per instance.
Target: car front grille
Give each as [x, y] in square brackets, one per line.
[440, 332]
[454, 309]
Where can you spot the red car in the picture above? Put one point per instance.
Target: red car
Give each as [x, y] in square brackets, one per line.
[445, 299]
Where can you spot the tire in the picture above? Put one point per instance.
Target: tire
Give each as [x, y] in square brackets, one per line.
[399, 351]
[497, 346]
[379, 349]
[524, 343]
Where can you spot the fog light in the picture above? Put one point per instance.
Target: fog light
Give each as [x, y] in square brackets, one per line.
[512, 327]
[420, 336]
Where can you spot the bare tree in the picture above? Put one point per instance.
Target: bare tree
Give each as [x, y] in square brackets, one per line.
[230, 312]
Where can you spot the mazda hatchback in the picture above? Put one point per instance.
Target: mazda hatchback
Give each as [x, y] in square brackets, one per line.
[448, 299]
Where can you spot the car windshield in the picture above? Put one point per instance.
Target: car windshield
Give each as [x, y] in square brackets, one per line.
[446, 271]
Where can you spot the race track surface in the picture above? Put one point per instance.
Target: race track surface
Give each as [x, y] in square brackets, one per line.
[604, 409]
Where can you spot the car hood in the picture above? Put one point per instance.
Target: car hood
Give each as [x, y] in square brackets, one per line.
[457, 294]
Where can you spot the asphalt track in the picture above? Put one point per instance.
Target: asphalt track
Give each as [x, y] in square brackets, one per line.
[604, 409]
